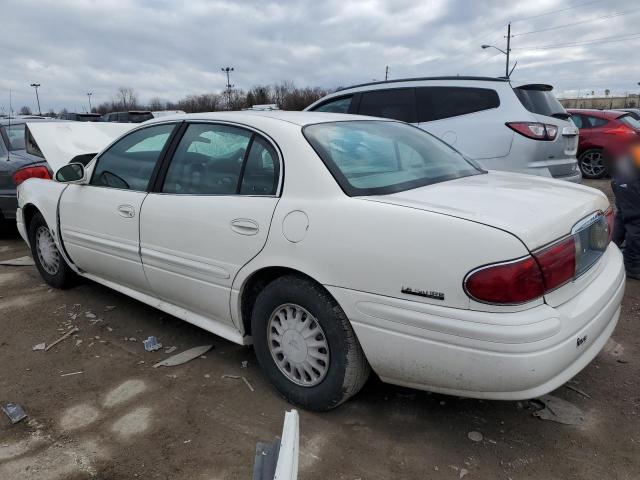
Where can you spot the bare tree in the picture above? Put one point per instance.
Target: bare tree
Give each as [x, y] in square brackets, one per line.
[127, 98]
[25, 110]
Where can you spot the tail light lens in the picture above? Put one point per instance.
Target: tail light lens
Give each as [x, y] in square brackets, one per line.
[535, 130]
[526, 279]
[25, 173]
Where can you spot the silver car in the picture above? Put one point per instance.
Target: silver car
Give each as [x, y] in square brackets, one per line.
[503, 125]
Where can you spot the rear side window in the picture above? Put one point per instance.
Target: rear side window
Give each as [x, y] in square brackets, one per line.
[129, 163]
[397, 104]
[340, 105]
[542, 102]
[577, 120]
[435, 103]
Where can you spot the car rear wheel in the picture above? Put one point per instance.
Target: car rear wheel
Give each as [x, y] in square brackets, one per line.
[305, 344]
[51, 265]
[592, 163]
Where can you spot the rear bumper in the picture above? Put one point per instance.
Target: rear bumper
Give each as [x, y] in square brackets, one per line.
[8, 206]
[500, 356]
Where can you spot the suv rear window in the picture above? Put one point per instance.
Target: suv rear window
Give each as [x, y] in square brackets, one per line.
[540, 101]
[435, 103]
[380, 157]
[397, 104]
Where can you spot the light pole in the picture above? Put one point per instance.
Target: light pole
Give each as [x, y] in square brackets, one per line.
[36, 85]
[507, 52]
[228, 70]
[89, 97]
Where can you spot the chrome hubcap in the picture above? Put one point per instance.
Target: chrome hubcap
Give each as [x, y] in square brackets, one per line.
[47, 251]
[592, 163]
[298, 345]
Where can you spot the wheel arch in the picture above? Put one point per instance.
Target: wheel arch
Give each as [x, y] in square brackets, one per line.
[28, 212]
[254, 284]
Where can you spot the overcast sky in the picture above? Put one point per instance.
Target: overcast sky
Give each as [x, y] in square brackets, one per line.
[170, 49]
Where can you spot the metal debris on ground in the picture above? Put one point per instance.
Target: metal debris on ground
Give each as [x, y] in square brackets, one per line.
[64, 337]
[558, 410]
[170, 349]
[244, 379]
[89, 315]
[69, 374]
[151, 344]
[109, 308]
[14, 411]
[235, 377]
[475, 436]
[25, 261]
[40, 346]
[577, 390]
[184, 357]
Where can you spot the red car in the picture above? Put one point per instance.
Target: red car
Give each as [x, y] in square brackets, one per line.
[600, 131]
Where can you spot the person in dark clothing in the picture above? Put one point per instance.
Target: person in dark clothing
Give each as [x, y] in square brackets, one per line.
[625, 183]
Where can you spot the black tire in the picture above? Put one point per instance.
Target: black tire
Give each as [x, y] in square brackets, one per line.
[60, 277]
[592, 163]
[348, 368]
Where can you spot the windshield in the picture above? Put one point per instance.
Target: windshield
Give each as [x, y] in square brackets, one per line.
[379, 157]
[15, 133]
[630, 121]
[542, 102]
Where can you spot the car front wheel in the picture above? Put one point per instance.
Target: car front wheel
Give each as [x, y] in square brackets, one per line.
[52, 267]
[592, 163]
[305, 344]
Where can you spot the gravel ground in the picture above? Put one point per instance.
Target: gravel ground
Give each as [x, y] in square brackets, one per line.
[121, 419]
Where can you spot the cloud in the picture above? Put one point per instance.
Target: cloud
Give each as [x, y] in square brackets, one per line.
[169, 50]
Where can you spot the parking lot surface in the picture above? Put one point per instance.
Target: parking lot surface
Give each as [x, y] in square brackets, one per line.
[98, 409]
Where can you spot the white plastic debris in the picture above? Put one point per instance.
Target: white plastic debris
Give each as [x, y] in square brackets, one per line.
[170, 349]
[40, 346]
[475, 436]
[151, 344]
[184, 357]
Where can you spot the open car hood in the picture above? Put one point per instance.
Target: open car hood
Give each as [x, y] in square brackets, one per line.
[61, 142]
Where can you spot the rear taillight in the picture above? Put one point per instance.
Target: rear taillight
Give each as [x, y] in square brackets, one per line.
[546, 269]
[611, 218]
[25, 173]
[535, 130]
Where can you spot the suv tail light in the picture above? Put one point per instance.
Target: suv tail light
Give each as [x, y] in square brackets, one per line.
[535, 130]
[528, 278]
[25, 173]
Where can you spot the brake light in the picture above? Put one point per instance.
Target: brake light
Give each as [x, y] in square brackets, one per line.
[620, 130]
[25, 173]
[546, 269]
[534, 130]
[506, 283]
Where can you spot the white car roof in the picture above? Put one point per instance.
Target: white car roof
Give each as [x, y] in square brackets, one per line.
[248, 116]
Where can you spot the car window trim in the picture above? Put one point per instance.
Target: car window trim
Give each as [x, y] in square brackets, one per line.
[166, 161]
[130, 132]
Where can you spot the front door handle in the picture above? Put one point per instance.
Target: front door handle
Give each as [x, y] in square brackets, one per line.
[245, 226]
[126, 211]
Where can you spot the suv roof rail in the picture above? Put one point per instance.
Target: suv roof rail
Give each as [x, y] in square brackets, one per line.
[451, 77]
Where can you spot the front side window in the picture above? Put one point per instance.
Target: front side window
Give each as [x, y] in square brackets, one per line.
[340, 105]
[435, 103]
[378, 157]
[396, 104]
[222, 160]
[129, 163]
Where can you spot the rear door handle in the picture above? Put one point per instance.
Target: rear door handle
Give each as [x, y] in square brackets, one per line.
[126, 211]
[245, 226]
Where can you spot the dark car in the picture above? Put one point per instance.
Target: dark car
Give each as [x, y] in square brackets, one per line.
[80, 117]
[602, 131]
[16, 165]
[132, 116]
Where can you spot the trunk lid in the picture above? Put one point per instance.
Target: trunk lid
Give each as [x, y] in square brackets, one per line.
[536, 210]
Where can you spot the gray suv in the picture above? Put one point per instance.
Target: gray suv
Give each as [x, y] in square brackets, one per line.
[503, 125]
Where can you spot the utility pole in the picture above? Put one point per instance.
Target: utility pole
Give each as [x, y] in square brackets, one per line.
[227, 70]
[36, 85]
[386, 74]
[89, 96]
[508, 48]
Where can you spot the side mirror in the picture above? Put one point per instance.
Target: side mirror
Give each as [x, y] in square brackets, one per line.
[72, 173]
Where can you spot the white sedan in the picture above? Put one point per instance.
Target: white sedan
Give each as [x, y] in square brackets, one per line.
[337, 245]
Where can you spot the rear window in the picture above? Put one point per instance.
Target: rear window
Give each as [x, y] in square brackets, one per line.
[435, 103]
[15, 134]
[378, 158]
[542, 102]
[397, 104]
[630, 121]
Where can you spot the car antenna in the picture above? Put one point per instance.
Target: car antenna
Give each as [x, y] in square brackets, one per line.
[9, 126]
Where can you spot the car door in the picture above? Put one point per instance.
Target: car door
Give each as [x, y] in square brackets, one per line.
[210, 215]
[99, 221]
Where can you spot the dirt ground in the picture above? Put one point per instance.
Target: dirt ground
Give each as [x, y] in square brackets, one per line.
[121, 419]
